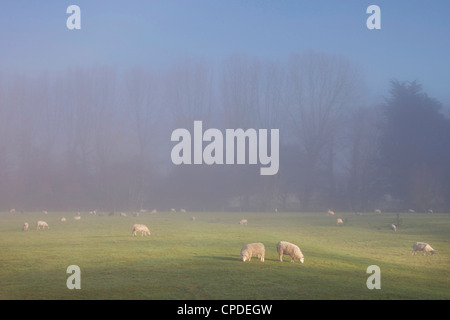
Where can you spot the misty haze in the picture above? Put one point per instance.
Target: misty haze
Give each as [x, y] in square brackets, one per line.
[224, 150]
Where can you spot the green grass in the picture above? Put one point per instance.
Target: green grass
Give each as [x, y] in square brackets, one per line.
[182, 259]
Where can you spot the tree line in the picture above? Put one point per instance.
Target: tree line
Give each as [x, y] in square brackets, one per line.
[99, 138]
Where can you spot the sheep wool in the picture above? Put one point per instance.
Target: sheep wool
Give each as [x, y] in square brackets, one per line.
[284, 247]
[253, 250]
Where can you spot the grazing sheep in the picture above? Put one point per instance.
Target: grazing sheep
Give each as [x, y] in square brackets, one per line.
[173, 210]
[140, 228]
[25, 226]
[378, 211]
[411, 211]
[276, 210]
[154, 211]
[42, 224]
[123, 214]
[253, 250]
[393, 227]
[339, 222]
[330, 212]
[243, 222]
[44, 212]
[63, 219]
[430, 211]
[422, 246]
[93, 213]
[12, 211]
[284, 247]
[76, 218]
[193, 218]
[183, 210]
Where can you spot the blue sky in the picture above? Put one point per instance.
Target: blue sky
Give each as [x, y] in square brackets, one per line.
[413, 44]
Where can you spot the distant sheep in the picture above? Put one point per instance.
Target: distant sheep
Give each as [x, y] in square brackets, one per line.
[41, 225]
[154, 211]
[140, 228]
[77, 218]
[430, 211]
[25, 226]
[339, 222]
[243, 222]
[173, 210]
[12, 211]
[136, 214]
[422, 246]
[183, 210]
[93, 213]
[284, 247]
[411, 211]
[330, 212]
[44, 212]
[393, 227]
[378, 211]
[193, 218]
[63, 219]
[123, 214]
[253, 250]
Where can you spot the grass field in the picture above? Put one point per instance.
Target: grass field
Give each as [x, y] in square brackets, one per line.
[182, 259]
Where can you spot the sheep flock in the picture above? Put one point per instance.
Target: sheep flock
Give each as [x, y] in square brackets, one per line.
[248, 251]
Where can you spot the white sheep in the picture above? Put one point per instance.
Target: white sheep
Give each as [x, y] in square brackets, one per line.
[42, 224]
[140, 228]
[25, 226]
[243, 222]
[193, 218]
[377, 211]
[93, 213]
[284, 247]
[63, 219]
[339, 222]
[393, 227]
[76, 217]
[422, 246]
[330, 212]
[12, 210]
[183, 210]
[154, 211]
[123, 214]
[173, 210]
[411, 211]
[253, 250]
[430, 211]
[45, 212]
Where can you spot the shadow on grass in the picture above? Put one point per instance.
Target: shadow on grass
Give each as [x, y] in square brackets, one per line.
[237, 258]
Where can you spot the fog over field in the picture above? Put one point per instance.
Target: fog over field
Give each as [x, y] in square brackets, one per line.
[88, 116]
[150, 144]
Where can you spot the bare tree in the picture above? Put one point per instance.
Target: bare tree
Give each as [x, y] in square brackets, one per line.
[143, 97]
[321, 88]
